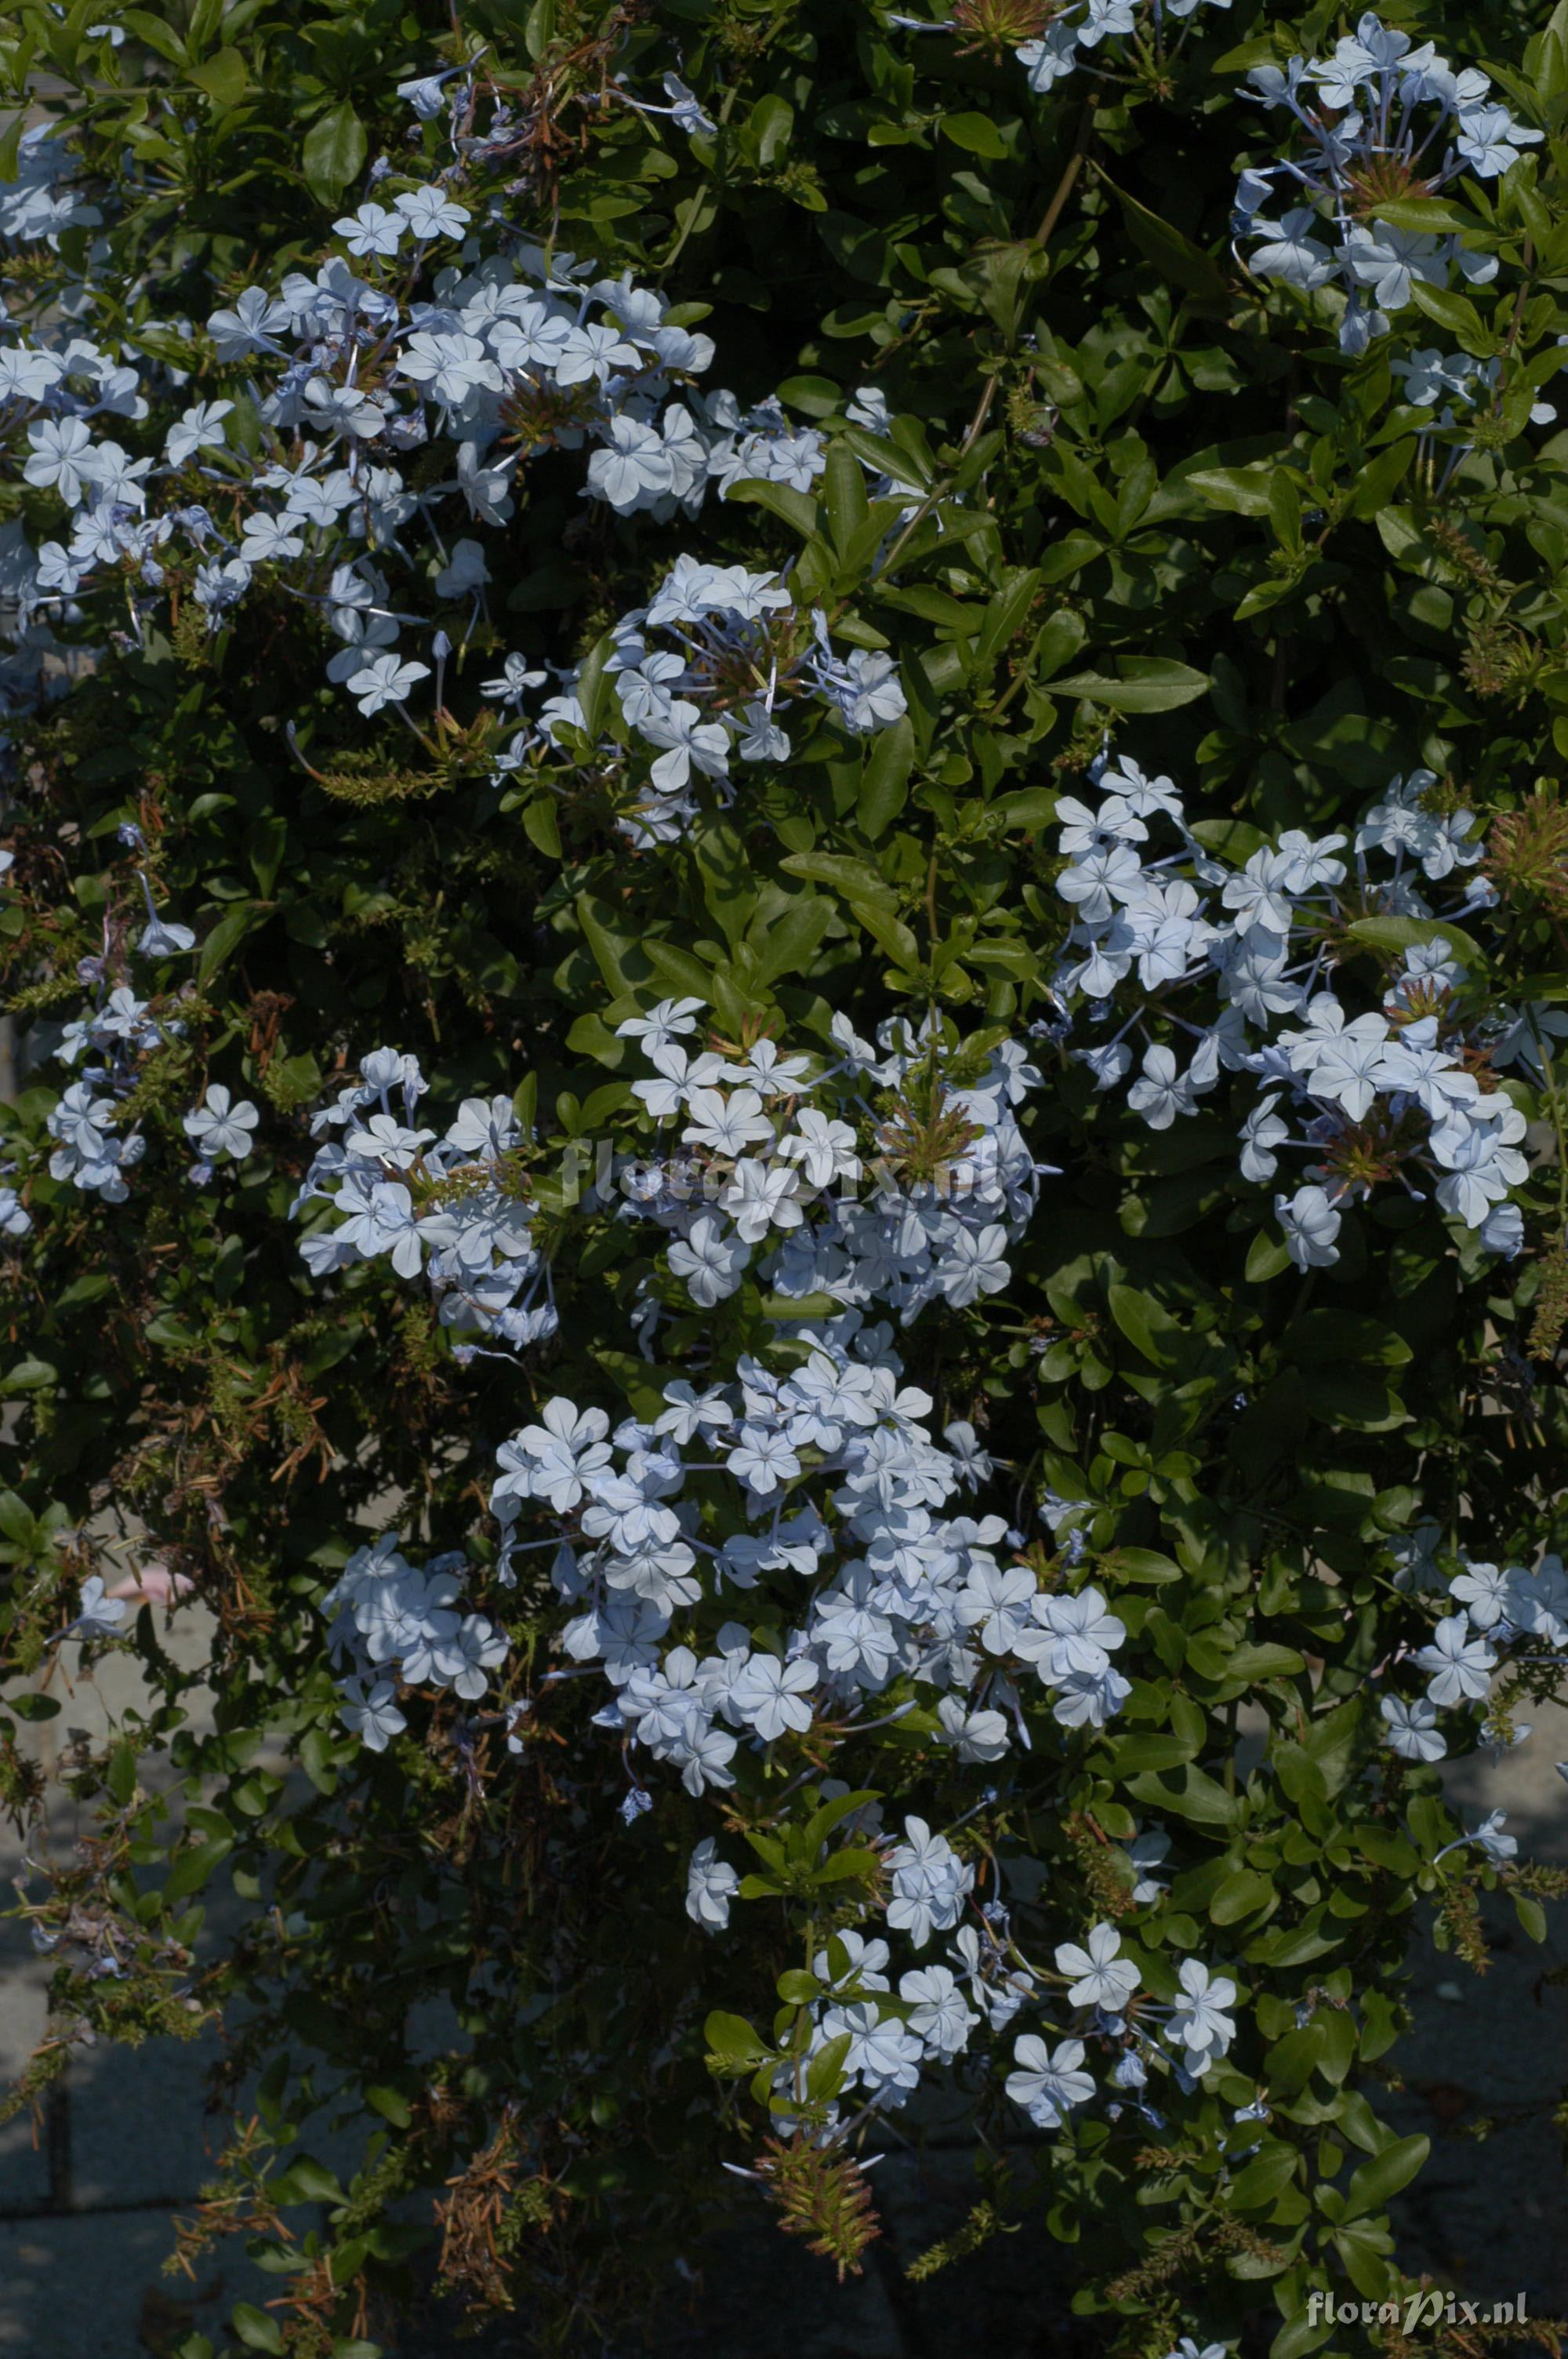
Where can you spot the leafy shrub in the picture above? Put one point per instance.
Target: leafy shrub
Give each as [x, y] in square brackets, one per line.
[785, 896]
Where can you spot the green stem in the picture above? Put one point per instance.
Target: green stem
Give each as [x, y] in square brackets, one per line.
[1554, 1105]
[1042, 237]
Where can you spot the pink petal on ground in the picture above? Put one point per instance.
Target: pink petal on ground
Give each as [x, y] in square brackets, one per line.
[153, 1585]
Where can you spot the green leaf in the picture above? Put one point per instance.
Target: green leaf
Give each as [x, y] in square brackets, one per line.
[615, 954]
[822, 1820]
[817, 396]
[1267, 1256]
[1007, 613]
[1263, 1661]
[731, 2040]
[884, 782]
[32, 1706]
[1401, 934]
[1531, 1914]
[1260, 2181]
[824, 2073]
[1243, 490]
[1142, 1565]
[1175, 259]
[857, 1859]
[771, 122]
[1422, 214]
[315, 2183]
[1032, 807]
[256, 2329]
[1147, 684]
[1458, 315]
[682, 973]
[844, 497]
[801, 1306]
[787, 944]
[1240, 1894]
[1134, 1753]
[796, 509]
[905, 466]
[1300, 2335]
[976, 134]
[855, 880]
[156, 34]
[890, 934]
[729, 881]
[1372, 2183]
[16, 1520]
[225, 938]
[1232, 839]
[1192, 1795]
[541, 825]
[1143, 1323]
[334, 150]
[189, 1870]
[1375, 482]
[593, 684]
[223, 77]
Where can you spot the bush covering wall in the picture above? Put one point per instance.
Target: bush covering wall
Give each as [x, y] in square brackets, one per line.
[785, 898]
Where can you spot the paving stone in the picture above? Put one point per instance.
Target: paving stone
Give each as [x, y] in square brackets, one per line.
[91, 2288]
[156, 2092]
[1487, 2219]
[24, 2165]
[759, 2295]
[1525, 1784]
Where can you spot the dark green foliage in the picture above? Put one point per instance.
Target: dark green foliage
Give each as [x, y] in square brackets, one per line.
[1146, 495]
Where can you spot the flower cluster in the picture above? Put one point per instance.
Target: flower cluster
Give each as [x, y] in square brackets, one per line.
[1063, 35]
[772, 1150]
[1509, 1618]
[708, 669]
[394, 1624]
[1439, 381]
[108, 1045]
[887, 2039]
[453, 1207]
[826, 1491]
[1406, 1088]
[38, 201]
[761, 1563]
[769, 1154]
[1383, 122]
[836, 1481]
[307, 472]
[1074, 38]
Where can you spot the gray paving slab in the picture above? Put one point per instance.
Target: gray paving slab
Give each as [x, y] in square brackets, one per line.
[91, 2288]
[24, 2164]
[138, 2129]
[1488, 2216]
[1525, 1783]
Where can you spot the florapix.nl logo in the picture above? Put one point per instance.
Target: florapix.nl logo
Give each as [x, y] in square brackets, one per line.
[1429, 2308]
